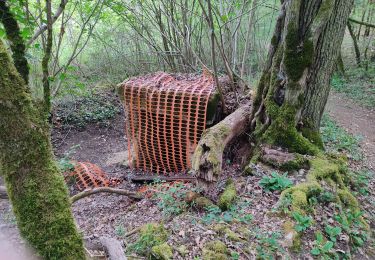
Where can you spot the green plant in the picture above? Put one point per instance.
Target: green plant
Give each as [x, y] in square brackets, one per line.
[284, 204]
[235, 255]
[332, 232]
[358, 85]
[268, 245]
[171, 198]
[91, 109]
[65, 163]
[336, 139]
[275, 183]
[352, 223]
[326, 197]
[322, 247]
[360, 180]
[235, 212]
[302, 222]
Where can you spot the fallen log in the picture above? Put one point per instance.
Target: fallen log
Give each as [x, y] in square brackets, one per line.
[207, 159]
[3, 193]
[86, 193]
[113, 248]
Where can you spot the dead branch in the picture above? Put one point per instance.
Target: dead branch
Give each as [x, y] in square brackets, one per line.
[113, 248]
[362, 23]
[86, 193]
[208, 156]
[3, 193]
[54, 19]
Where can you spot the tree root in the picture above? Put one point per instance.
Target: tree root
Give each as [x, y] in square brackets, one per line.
[86, 193]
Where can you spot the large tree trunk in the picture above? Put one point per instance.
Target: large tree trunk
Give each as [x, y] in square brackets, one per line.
[35, 187]
[295, 83]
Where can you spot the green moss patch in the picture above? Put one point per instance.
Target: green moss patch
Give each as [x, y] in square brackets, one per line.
[215, 250]
[151, 236]
[162, 252]
[227, 198]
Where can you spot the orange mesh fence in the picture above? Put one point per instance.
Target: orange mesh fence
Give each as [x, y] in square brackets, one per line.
[165, 118]
[88, 175]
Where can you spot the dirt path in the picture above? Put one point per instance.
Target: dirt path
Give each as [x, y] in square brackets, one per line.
[357, 121]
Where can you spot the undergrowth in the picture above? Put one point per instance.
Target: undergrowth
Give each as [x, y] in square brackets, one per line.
[236, 212]
[359, 85]
[336, 139]
[96, 108]
[276, 182]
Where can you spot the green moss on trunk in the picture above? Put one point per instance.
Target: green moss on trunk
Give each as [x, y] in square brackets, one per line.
[36, 188]
[16, 42]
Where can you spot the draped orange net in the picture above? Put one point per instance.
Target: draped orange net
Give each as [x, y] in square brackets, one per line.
[88, 175]
[165, 118]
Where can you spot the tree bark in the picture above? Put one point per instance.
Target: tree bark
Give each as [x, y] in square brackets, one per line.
[295, 83]
[16, 42]
[207, 159]
[35, 187]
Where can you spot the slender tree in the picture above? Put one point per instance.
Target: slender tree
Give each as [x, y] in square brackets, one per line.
[35, 187]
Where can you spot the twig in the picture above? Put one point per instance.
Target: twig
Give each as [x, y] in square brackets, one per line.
[87, 193]
[362, 23]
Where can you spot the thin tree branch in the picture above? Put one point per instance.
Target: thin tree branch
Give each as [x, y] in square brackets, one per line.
[54, 19]
[86, 193]
[45, 61]
[362, 23]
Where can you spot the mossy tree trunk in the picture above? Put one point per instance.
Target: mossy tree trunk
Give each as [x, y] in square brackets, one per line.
[14, 37]
[295, 83]
[35, 187]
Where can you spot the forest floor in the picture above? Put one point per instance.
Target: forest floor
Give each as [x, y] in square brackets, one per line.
[249, 229]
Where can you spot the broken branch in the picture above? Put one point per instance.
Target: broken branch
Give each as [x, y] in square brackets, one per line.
[86, 193]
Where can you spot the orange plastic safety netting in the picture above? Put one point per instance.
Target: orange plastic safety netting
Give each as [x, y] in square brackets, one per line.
[165, 118]
[88, 175]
